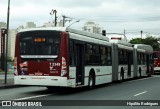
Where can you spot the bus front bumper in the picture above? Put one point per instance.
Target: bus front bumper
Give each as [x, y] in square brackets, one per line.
[41, 80]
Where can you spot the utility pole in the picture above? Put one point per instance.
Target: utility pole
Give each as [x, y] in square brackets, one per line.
[141, 35]
[125, 34]
[68, 19]
[7, 41]
[64, 18]
[55, 18]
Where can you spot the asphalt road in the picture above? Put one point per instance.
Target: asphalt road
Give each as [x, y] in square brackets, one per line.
[141, 89]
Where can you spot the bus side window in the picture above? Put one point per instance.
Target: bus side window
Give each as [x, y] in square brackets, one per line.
[88, 54]
[108, 53]
[96, 59]
[120, 57]
[103, 56]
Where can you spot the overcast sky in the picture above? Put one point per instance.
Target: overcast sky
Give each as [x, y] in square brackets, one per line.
[112, 15]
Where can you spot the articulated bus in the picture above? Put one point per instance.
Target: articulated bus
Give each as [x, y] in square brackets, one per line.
[65, 57]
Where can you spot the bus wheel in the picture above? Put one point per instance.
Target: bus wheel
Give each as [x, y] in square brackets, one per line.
[91, 81]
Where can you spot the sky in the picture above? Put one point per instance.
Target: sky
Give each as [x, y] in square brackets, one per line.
[114, 16]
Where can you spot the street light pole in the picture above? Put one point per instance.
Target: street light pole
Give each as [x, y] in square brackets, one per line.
[141, 35]
[51, 13]
[64, 17]
[55, 17]
[6, 56]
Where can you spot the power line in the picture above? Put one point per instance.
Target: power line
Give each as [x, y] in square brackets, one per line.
[120, 19]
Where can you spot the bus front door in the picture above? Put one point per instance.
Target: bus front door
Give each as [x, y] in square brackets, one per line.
[79, 49]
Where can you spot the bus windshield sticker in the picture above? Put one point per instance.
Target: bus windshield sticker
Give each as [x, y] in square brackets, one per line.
[23, 67]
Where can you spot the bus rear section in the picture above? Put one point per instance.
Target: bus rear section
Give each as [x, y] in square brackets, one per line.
[41, 58]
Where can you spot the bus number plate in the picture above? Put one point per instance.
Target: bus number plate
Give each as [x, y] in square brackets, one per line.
[54, 65]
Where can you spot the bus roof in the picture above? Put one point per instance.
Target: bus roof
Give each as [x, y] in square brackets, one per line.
[121, 42]
[69, 30]
[143, 46]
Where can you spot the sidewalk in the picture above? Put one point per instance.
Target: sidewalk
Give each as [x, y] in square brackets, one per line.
[10, 80]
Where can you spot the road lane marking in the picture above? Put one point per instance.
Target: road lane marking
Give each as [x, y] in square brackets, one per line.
[38, 96]
[140, 93]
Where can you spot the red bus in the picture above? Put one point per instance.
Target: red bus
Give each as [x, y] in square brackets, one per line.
[156, 56]
[62, 57]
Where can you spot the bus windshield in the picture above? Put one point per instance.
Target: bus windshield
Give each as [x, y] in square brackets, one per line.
[156, 55]
[39, 44]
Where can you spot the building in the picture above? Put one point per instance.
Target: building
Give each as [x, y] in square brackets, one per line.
[92, 27]
[50, 24]
[3, 24]
[11, 43]
[11, 40]
[12, 36]
[30, 25]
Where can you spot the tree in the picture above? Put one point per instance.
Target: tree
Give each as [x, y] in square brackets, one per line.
[153, 41]
[149, 40]
[136, 41]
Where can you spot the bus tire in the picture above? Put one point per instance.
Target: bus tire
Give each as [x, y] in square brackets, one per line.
[91, 81]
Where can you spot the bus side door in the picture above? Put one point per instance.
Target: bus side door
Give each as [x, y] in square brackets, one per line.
[79, 58]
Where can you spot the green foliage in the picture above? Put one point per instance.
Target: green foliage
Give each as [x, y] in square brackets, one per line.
[136, 41]
[153, 41]
[149, 40]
